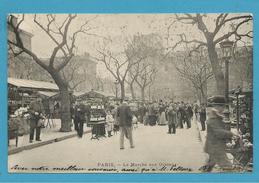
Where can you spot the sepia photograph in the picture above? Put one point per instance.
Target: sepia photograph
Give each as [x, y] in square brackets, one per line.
[130, 93]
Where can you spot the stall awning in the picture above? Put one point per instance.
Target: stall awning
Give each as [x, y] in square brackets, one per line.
[32, 84]
[77, 94]
[48, 94]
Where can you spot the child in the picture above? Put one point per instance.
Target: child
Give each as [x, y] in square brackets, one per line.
[135, 121]
[110, 122]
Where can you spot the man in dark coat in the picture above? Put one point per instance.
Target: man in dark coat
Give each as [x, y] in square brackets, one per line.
[217, 135]
[81, 113]
[124, 116]
[142, 112]
[203, 117]
[172, 119]
[36, 110]
[181, 114]
[189, 113]
[196, 111]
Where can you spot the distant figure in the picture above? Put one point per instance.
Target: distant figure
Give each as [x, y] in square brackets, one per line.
[181, 114]
[189, 115]
[109, 122]
[196, 111]
[172, 119]
[203, 117]
[124, 115]
[135, 121]
[116, 122]
[162, 118]
[36, 111]
[142, 112]
[151, 115]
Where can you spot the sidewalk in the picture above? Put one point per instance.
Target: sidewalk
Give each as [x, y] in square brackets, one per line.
[48, 135]
[203, 135]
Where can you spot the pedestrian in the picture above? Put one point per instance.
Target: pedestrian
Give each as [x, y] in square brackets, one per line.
[217, 135]
[36, 111]
[124, 115]
[152, 116]
[135, 121]
[109, 122]
[189, 115]
[203, 117]
[116, 122]
[181, 115]
[142, 112]
[81, 115]
[162, 118]
[172, 119]
[196, 111]
[145, 119]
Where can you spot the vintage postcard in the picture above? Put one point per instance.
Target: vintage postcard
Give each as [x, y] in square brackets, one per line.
[130, 93]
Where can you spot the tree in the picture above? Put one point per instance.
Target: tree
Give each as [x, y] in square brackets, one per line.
[71, 74]
[195, 69]
[146, 76]
[224, 26]
[143, 73]
[58, 31]
[133, 74]
[119, 64]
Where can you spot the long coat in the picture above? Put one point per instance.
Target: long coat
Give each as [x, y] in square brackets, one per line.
[216, 136]
[81, 113]
[189, 112]
[203, 114]
[124, 115]
[171, 116]
[36, 109]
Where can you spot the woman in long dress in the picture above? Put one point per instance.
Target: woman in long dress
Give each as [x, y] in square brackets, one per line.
[162, 118]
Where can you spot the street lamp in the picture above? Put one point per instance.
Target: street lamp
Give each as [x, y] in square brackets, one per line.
[227, 47]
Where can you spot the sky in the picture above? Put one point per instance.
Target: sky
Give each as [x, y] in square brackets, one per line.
[115, 27]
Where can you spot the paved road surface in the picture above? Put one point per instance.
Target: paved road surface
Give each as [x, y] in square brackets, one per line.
[155, 151]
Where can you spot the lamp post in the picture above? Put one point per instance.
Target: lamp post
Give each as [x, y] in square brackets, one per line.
[227, 47]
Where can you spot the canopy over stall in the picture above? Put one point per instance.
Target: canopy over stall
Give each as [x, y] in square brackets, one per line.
[23, 84]
[22, 91]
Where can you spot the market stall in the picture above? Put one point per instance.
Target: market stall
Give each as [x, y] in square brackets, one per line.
[20, 94]
[97, 121]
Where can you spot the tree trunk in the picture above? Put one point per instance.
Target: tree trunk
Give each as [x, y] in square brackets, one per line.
[143, 94]
[203, 95]
[219, 76]
[122, 90]
[64, 101]
[132, 91]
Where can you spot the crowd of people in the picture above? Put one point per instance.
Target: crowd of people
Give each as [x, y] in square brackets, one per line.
[121, 117]
[173, 114]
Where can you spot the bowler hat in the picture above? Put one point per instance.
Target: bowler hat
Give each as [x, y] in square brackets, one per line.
[216, 100]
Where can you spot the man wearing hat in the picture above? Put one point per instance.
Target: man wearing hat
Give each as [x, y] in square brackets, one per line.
[82, 114]
[217, 135]
[124, 115]
[36, 110]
